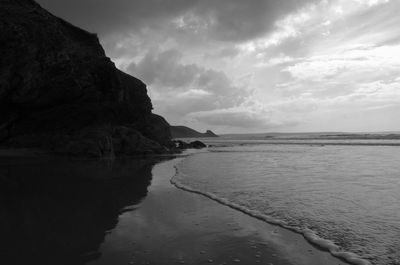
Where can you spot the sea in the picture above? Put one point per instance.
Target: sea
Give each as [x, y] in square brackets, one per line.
[343, 195]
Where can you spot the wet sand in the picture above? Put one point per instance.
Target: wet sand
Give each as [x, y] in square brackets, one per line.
[56, 210]
[171, 226]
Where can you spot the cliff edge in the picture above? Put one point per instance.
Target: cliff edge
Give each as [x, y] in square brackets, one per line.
[59, 91]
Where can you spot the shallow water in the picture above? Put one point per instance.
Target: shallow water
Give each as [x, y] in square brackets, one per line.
[348, 194]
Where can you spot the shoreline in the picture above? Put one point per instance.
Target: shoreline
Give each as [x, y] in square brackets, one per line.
[309, 235]
[172, 226]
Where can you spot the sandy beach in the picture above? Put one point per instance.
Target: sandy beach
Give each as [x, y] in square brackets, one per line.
[172, 226]
[199, 132]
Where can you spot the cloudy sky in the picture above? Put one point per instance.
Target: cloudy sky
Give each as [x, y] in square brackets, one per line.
[256, 65]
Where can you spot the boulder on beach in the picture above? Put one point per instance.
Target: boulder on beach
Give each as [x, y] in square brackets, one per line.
[181, 145]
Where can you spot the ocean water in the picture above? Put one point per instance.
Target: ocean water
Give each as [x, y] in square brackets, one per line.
[345, 198]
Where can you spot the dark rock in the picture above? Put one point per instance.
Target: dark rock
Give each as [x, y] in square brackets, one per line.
[57, 83]
[158, 129]
[198, 145]
[181, 145]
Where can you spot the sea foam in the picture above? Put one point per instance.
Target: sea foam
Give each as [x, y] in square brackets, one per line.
[308, 234]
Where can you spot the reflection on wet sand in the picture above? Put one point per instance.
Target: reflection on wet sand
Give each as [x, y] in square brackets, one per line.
[57, 210]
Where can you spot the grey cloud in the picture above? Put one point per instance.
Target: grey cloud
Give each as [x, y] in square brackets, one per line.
[242, 119]
[227, 20]
[228, 52]
[214, 81]
[116, 16]
[165, 74]
[164, 68]
[181, 107]
[238, 20]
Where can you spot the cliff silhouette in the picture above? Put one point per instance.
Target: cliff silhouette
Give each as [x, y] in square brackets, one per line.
[60, 92]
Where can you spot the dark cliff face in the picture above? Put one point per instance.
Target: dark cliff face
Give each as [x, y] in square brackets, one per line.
[55, 79]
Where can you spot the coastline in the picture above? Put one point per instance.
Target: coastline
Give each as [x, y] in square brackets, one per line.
[173, 226]
[309, 235]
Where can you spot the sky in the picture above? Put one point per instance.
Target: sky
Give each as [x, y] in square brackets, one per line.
[257, 65]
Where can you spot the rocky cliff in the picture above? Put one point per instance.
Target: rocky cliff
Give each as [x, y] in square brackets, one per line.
[59, 91]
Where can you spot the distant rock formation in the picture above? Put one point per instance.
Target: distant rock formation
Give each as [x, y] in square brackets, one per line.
[186, 132]
[210, 133]
[59, 91]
